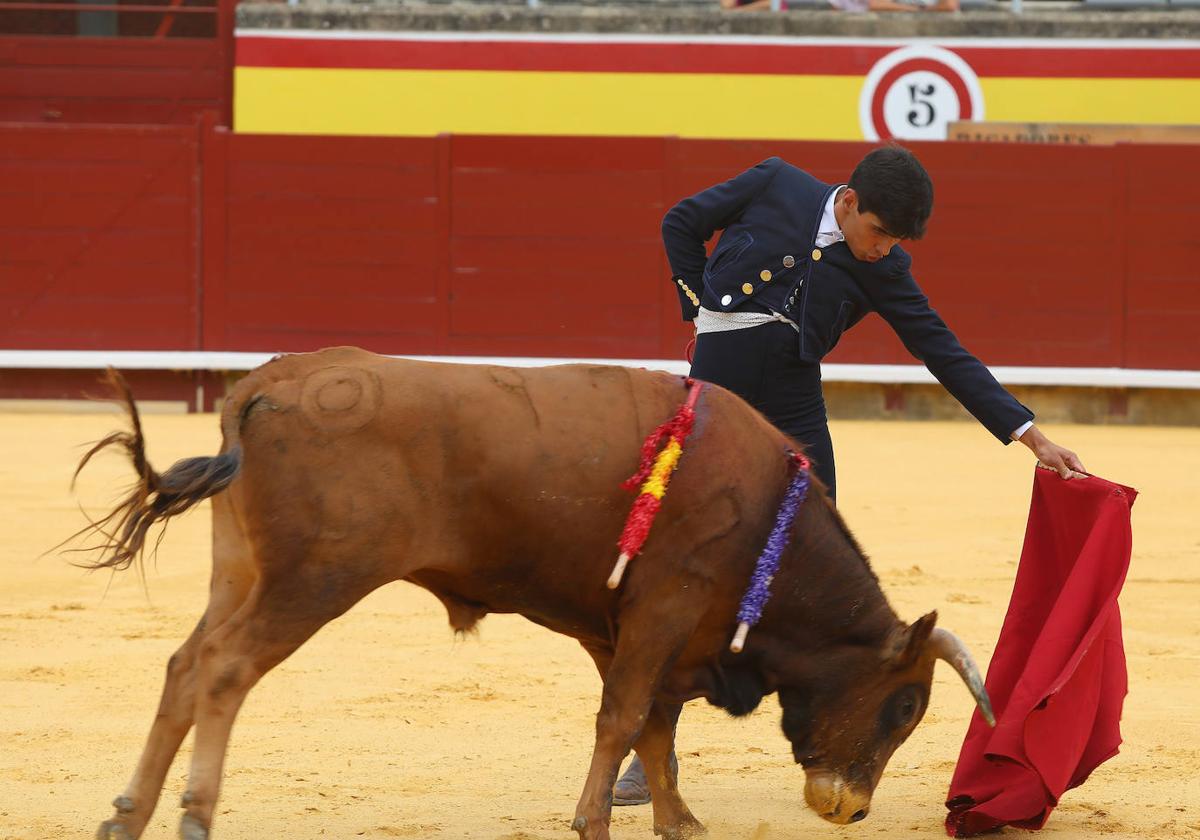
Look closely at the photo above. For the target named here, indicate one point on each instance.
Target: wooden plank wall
(164, 67)
(99, 234)
(325, 241)
(183, 238)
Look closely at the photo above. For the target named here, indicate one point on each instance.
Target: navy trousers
(762, 366)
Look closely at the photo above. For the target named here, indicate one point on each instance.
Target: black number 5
(916, 117)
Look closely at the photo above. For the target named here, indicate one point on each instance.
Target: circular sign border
(962, 79)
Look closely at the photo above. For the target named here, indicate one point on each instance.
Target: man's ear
(905, 644)
(850, 199)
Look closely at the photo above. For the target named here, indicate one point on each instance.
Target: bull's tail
(155, 497)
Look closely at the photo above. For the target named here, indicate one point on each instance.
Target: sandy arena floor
(385, 726)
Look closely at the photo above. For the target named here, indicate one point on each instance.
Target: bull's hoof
(190, 829)
(123, 804)
(111, 830)
(591, 830)
(684, 831)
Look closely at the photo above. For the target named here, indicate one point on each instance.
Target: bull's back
(586, 417)
(500, 486)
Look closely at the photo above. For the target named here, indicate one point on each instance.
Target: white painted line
(130, 360)
(188, 360)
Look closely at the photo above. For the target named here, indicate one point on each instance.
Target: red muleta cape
(1057, 680)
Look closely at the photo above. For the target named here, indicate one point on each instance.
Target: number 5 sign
(913, 93)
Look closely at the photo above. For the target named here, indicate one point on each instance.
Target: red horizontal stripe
(555, 56)
(1083, 62)
(780, 59)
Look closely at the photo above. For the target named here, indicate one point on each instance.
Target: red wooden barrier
(174, 238)
(98, 237)
(1159, 256)
(323, 241)
(168, 65)
(555, 248)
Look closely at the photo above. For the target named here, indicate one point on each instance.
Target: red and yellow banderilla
(653, 476)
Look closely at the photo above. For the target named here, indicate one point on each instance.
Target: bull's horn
(949, 647)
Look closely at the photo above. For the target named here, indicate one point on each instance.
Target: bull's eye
(901, 708)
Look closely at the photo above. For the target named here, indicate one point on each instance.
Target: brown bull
(498, 490)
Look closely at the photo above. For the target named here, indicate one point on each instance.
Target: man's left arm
(906, 308)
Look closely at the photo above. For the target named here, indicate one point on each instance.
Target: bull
(499, 491)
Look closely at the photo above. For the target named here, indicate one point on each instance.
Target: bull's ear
(906, 644)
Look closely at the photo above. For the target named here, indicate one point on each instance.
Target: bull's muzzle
(834, 799)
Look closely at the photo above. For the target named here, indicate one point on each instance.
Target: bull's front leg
(672, 818)
(622, 715)
(646, 648)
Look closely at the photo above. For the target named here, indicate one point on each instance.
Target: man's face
(866, 234)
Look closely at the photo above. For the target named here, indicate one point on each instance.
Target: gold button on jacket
(747, 288)
(816, 254)
(764, 275)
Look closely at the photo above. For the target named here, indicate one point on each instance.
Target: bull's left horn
(950, 648)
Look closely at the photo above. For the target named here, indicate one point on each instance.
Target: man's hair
(892, 184)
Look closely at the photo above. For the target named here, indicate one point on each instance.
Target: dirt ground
(386, 726)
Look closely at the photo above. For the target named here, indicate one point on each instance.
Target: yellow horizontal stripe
(1165, 101)
(427, 102)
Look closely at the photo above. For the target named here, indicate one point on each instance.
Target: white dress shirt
(829, 231)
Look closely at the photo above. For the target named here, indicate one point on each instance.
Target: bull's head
(845, 726)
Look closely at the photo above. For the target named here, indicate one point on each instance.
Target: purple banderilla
(759, 590)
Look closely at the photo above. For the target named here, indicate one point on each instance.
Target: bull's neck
(826, 594)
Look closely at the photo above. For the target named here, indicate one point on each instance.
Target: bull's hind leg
(276, 618)
(232, 578)
(171, 724)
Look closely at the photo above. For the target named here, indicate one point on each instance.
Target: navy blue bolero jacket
(767, 261)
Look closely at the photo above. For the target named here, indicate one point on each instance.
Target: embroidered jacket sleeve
(906, 308)
(693, 221)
